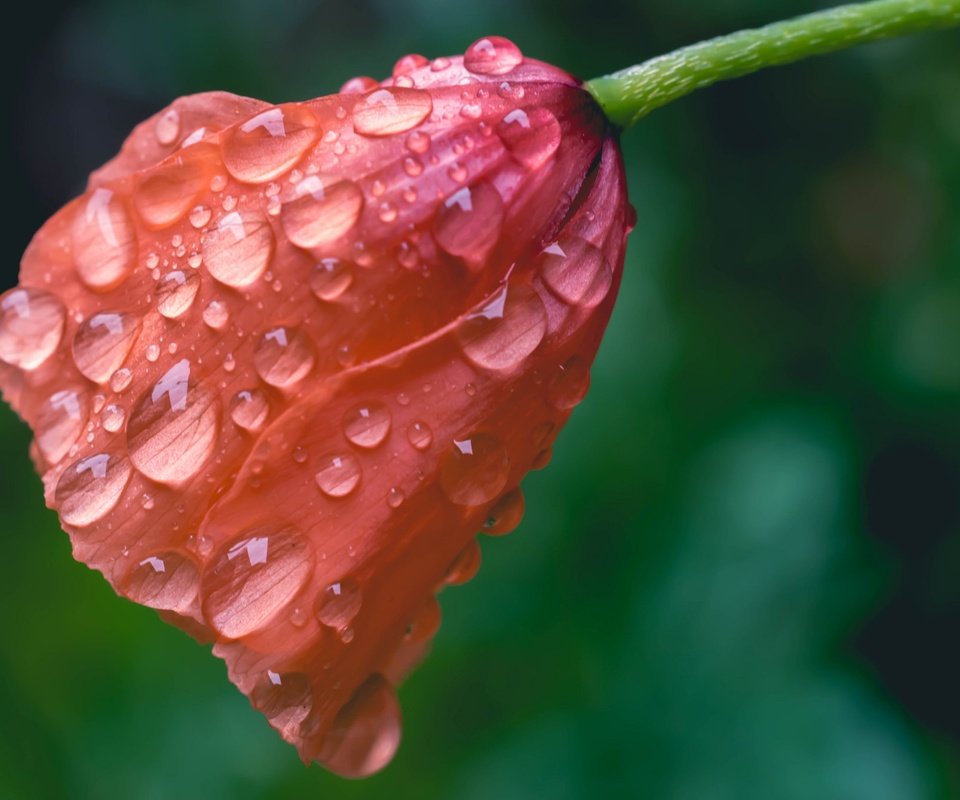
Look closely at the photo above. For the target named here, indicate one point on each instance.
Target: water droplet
(331, 277)
(395, 497)
(173, 427)
(426, 624)
(569, 386)
(152, 352)
(471, 111)
(465, 566)
(385, 112)
(474, 470)
(59, 423)
(121, 379)
(249, 409)
(175, 293)
(283, 698)
(298, 617)
(318, 214)
(358, 85)
(409, 63)
(31, 325)
(418, 142)
(267, 145)
(104, 241)
(469, 221)
(255, 577)
(338, 604)
(387, 212)
(300, 455)
(531, 138)
(166, 580)
(505, 514)
(576, 272)
(440, 64)
(338, 475)
(103, 342)
(283, 357)
(238, 250)
(457, 172)
(507, 329)
(167, 127)
(216, 315)
(413, 166)
(365, 734)
(89, 489)
(541, 434)
(492, 55)
(367, 425)
(168, 191)
(200, 216)
(112, 418)
(419, 435)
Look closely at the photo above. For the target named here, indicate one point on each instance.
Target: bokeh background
(740, 576)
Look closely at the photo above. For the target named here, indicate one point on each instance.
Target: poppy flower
(283, 362)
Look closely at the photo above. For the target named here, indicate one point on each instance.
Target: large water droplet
(255, 577)
(89, 489)
(469, 222)
(284, 356)
(474, 470)
(505, 514)
(173, 427)
(285, 698)
(168, 191)
(505, 330)
(576, 271)
(385, 112)
(31, 325)
(267, 145)
(176, 291)
(167, 127)
(167, 580)
(365, 733)
(59, 423)
(531, 136)
(338, 475)
(338, 604)
(216, 315)
(104, 241)
(465, 566)
(249, 409)
(367, 425)
(238, 250)
(569, 386)
(103, 342)
(331, 277)
(318, 214)
(492, 55)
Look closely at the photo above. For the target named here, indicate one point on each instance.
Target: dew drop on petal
(285, 698)
(166, 580)
(112, 418)
(168, 191)
(408, 63)
(103, 342)
(359, 85)
(249, 409)
(474, 470)
(200, 216)
(172, 429)
(319, 214)
(385, 112)
(492, 55)
(175, 293)
(426, 624)
(469, 221)
(505, 514)
(269, 144)
(338, 604)
(104, 241)
(330, 278)
(569, 386)
(167, 127)
(59, 423)
(505, 330)
(284, 356)
(418, 142)
(31, 326)
(465, 566)
(576, 271)
(367, 425)
(255, 577)
(338, 475)
(365, 733)
(89, 489)
(531, 137)
(238, 250)
(419, 435)
(216, 315)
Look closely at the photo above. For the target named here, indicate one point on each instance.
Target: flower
(282, 362)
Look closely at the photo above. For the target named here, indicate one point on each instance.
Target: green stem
(630, 94)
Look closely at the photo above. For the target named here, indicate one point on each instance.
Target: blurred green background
(740, 576)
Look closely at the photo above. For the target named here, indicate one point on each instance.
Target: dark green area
(739, 577)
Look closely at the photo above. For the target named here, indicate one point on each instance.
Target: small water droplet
(218, 183)
(216, 315)
(367, 425)
(298, 617)
(505, 330)
(89, 489)
(474, 470)
(103, 342)
(121, 379)
(104, 241)
(440, 64)
(249, 409)
(569, 386)
(152, 352)
(505, 514)
(357, 85)
(284, 356)
(166, 192)
(238, 250)
(531, 138)
(254, 577)
(385, 112)
(413, 166)
(418, 142)
(457, 172)
(269, 144)
(395, 497)
(229, 363)
(469, 221)
(172, 429)
(318, 215)
(338, 475)
(576, 272)
(31, 326)
(175, 293)
(112, 418)
(465, 566)
(331, 277)
(300, 455)
(339, 603)
(387, 212)
(167, 127)
(409, 63)
(59, 423)
(492, 55)
(419, 435)
(200, 216)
